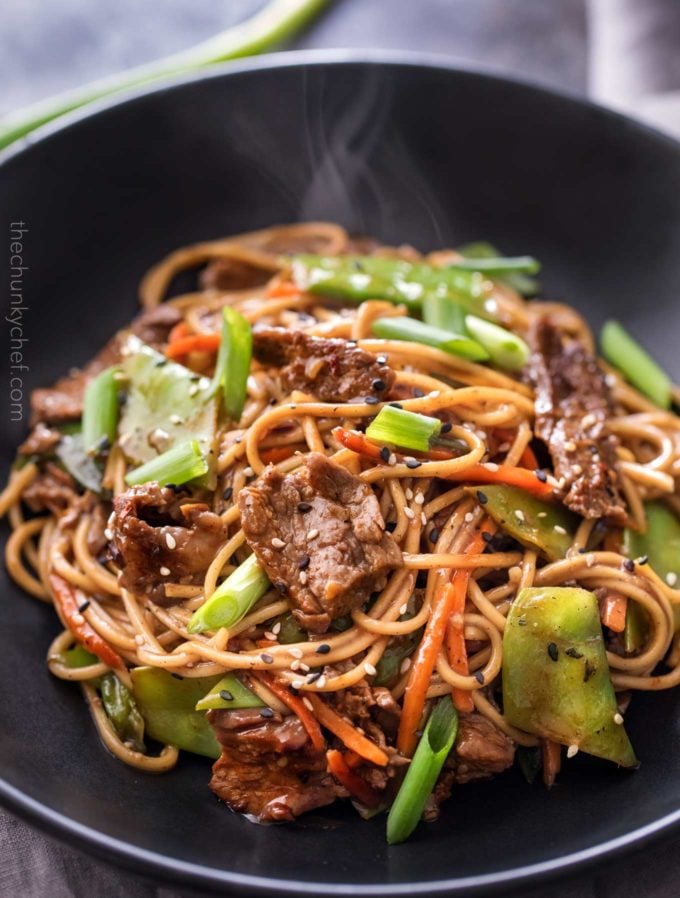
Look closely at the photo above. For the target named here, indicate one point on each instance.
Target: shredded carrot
(552, 760)
(482, 473)
(613, 611)
(528, 459)
(455, 638)
(282, 288)
(193, 343)
(425, 656)
(297, 706)
(278, 453)
(355, 785)
(67, 600)
(181, 329)
(347, 733)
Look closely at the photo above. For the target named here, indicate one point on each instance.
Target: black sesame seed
(281, 587)
(479, 676)
(226, 695)
(413, 463)
(542, 476)
(176, 675)
(553, 651)
(104, 444)
(84, 606)
(418, 393)
(267, 658)
(323, 649)
(266, 712)
(433, 535)
(421, 579)
(643, 559)
(629, 565)
(446, 427)
(582, 550)
(313, 677)
(273, 400)
(574, 653)
(385, 454)
(487, 537)
(371, 400)
(161, 362)
(304, 507)
(228, 493)
(391, 526)
(396, 405)
(303, 563)
(482, 498)
(379, 385)
(588, 671)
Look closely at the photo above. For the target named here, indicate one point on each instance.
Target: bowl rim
(171, 870)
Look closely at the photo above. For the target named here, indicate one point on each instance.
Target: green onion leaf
(100, 412)
(229, 693)
(232, 599)
(401, 428)
(419, 332)
(444, 313)
(498, 265)
(233, 362)
(178, 465)
(517, 280)
(506, 350)
(428, 760)
(637, 366)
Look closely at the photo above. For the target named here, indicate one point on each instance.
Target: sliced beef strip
(333, 370)
(572, 408)
(64, 401)
(153, 528)
(268, 767)
(319, 534)
(53, 490)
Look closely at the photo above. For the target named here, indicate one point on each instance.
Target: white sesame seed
(170, 541)
(570, 446)
(248, 471)
(610, 380)
(282, 762)
(577, 470)
(572, 751)
(589, 419)
(276, 629)
(321, 682)
(481, 434)
(410, 514)
(618, 719)
(469, 517)
(108, 534)
(297, 684)
(519, 514)
(176, 419)
(491, 466)
(408, 492)
(435, 394)
(78, 618)
(307, 703)
(164, 571)
(542, 514)
(420, 499)
(423, 518)
(304, 667)
(139, 639)
(369, 669)
(504, 447)
(295, 665)
(302, 577)
(558, 529)
(404, 608)
(278, 543)
(671, 578)
(590, 559)
(392, 460)
(313, 533)
(405, 664)
(296, 652)
(193, 390)
(269, 635)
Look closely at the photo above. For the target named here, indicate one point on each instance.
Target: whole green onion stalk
(278, 21)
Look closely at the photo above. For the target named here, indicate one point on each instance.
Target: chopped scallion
(499, 265)
(419, 332)
(636, 365)
(178, 465)
(233, 599)
(506, 350)
(517, 280)
(100, 412)
(444, 313)
(233, 362)
(402, 428)
(421, 776)
(229, 693)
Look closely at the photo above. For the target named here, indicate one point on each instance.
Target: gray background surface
(624, 52)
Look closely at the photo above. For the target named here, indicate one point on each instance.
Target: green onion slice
(232, 599)
(233, 362)
(229, 693)
(428, 760)
(100, 412)
(401, 428)
(419, 332)
(636, 365)
(178, 465)
(506, 350)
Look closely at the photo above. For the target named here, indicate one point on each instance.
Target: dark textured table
(626, 52)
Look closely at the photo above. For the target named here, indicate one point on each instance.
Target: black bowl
(410, 151)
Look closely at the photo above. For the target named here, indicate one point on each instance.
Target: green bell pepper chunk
(168, 707)
(532, 522)
(77, 656)
(358, 278)
(290, 631)
(660, 543)
(122, 711)
(636, 629)
(229, 693)
(556, 681)
(389, 666)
